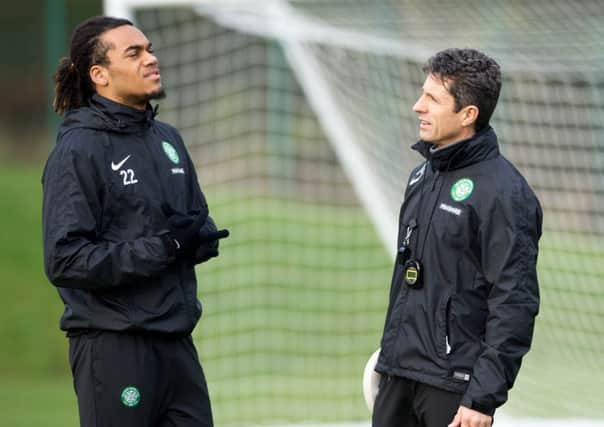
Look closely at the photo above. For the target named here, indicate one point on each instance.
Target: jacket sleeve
(508, 238)
(195, 198)
(75, 253)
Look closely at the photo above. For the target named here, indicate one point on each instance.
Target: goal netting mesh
(298, 117)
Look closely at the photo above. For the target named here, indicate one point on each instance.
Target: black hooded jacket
(105, 237)
(475, 230)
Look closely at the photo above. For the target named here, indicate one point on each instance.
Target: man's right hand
(466, 417)
(184, 230)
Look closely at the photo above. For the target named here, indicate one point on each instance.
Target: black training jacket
(105, 236)
(476, 229)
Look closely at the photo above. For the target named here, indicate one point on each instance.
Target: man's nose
(420, 105)
(151, 59)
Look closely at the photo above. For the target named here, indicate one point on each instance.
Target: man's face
(132, 72)
(439, 124)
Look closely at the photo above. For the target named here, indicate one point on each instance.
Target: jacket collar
(120, 117)
(482, 146)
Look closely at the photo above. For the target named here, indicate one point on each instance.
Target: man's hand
(467, 417)
(209, 241)
(184, 230)
(194, 234)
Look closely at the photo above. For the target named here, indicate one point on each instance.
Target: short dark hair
(471, 77)
(73, 86)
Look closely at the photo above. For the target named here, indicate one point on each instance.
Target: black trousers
(134, 380)
(402, 402)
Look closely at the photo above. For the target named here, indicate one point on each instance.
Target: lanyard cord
(413, 223)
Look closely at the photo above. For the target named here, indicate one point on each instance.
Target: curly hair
(73, 86)
(471, 77)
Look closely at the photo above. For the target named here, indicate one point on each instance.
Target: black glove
(184, 230)
(210, 236)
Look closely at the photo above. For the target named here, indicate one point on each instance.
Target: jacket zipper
(447, 325)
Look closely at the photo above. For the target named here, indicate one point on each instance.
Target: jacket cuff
(477, 406)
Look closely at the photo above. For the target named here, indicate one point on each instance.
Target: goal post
(298, 117)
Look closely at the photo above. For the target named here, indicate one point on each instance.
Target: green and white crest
(170, 152)
(462, 189)
(130, 396)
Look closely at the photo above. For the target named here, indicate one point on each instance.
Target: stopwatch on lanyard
(411, 267)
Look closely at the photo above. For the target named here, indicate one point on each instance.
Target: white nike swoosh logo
(415, 179)
(120, 164)
(417, 176)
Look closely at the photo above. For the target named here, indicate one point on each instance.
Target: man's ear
(469, 115)
(99, 75)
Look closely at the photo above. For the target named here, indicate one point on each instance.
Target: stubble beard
(142, 100)
(158, 94)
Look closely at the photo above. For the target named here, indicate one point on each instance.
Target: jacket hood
(483, 145)
(106, 115)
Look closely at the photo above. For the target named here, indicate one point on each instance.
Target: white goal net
(298, 116)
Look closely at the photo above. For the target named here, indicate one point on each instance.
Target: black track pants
(401, 402)
(134, 380)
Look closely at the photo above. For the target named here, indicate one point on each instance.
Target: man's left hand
(209, 241)
(467, 417)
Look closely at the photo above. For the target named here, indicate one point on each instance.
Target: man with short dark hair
(124, 223)
(464, 292)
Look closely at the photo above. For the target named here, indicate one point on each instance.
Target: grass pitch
(292, 308)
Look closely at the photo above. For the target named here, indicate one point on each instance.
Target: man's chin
(158, 94)
(425, 136)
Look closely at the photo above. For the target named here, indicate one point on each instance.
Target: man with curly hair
(464, 292)
(124, 224)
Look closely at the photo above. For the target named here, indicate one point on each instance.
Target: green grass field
(292, 308)
(35, 384)
(48, 401)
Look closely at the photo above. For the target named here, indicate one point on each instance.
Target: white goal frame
(292, 30)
